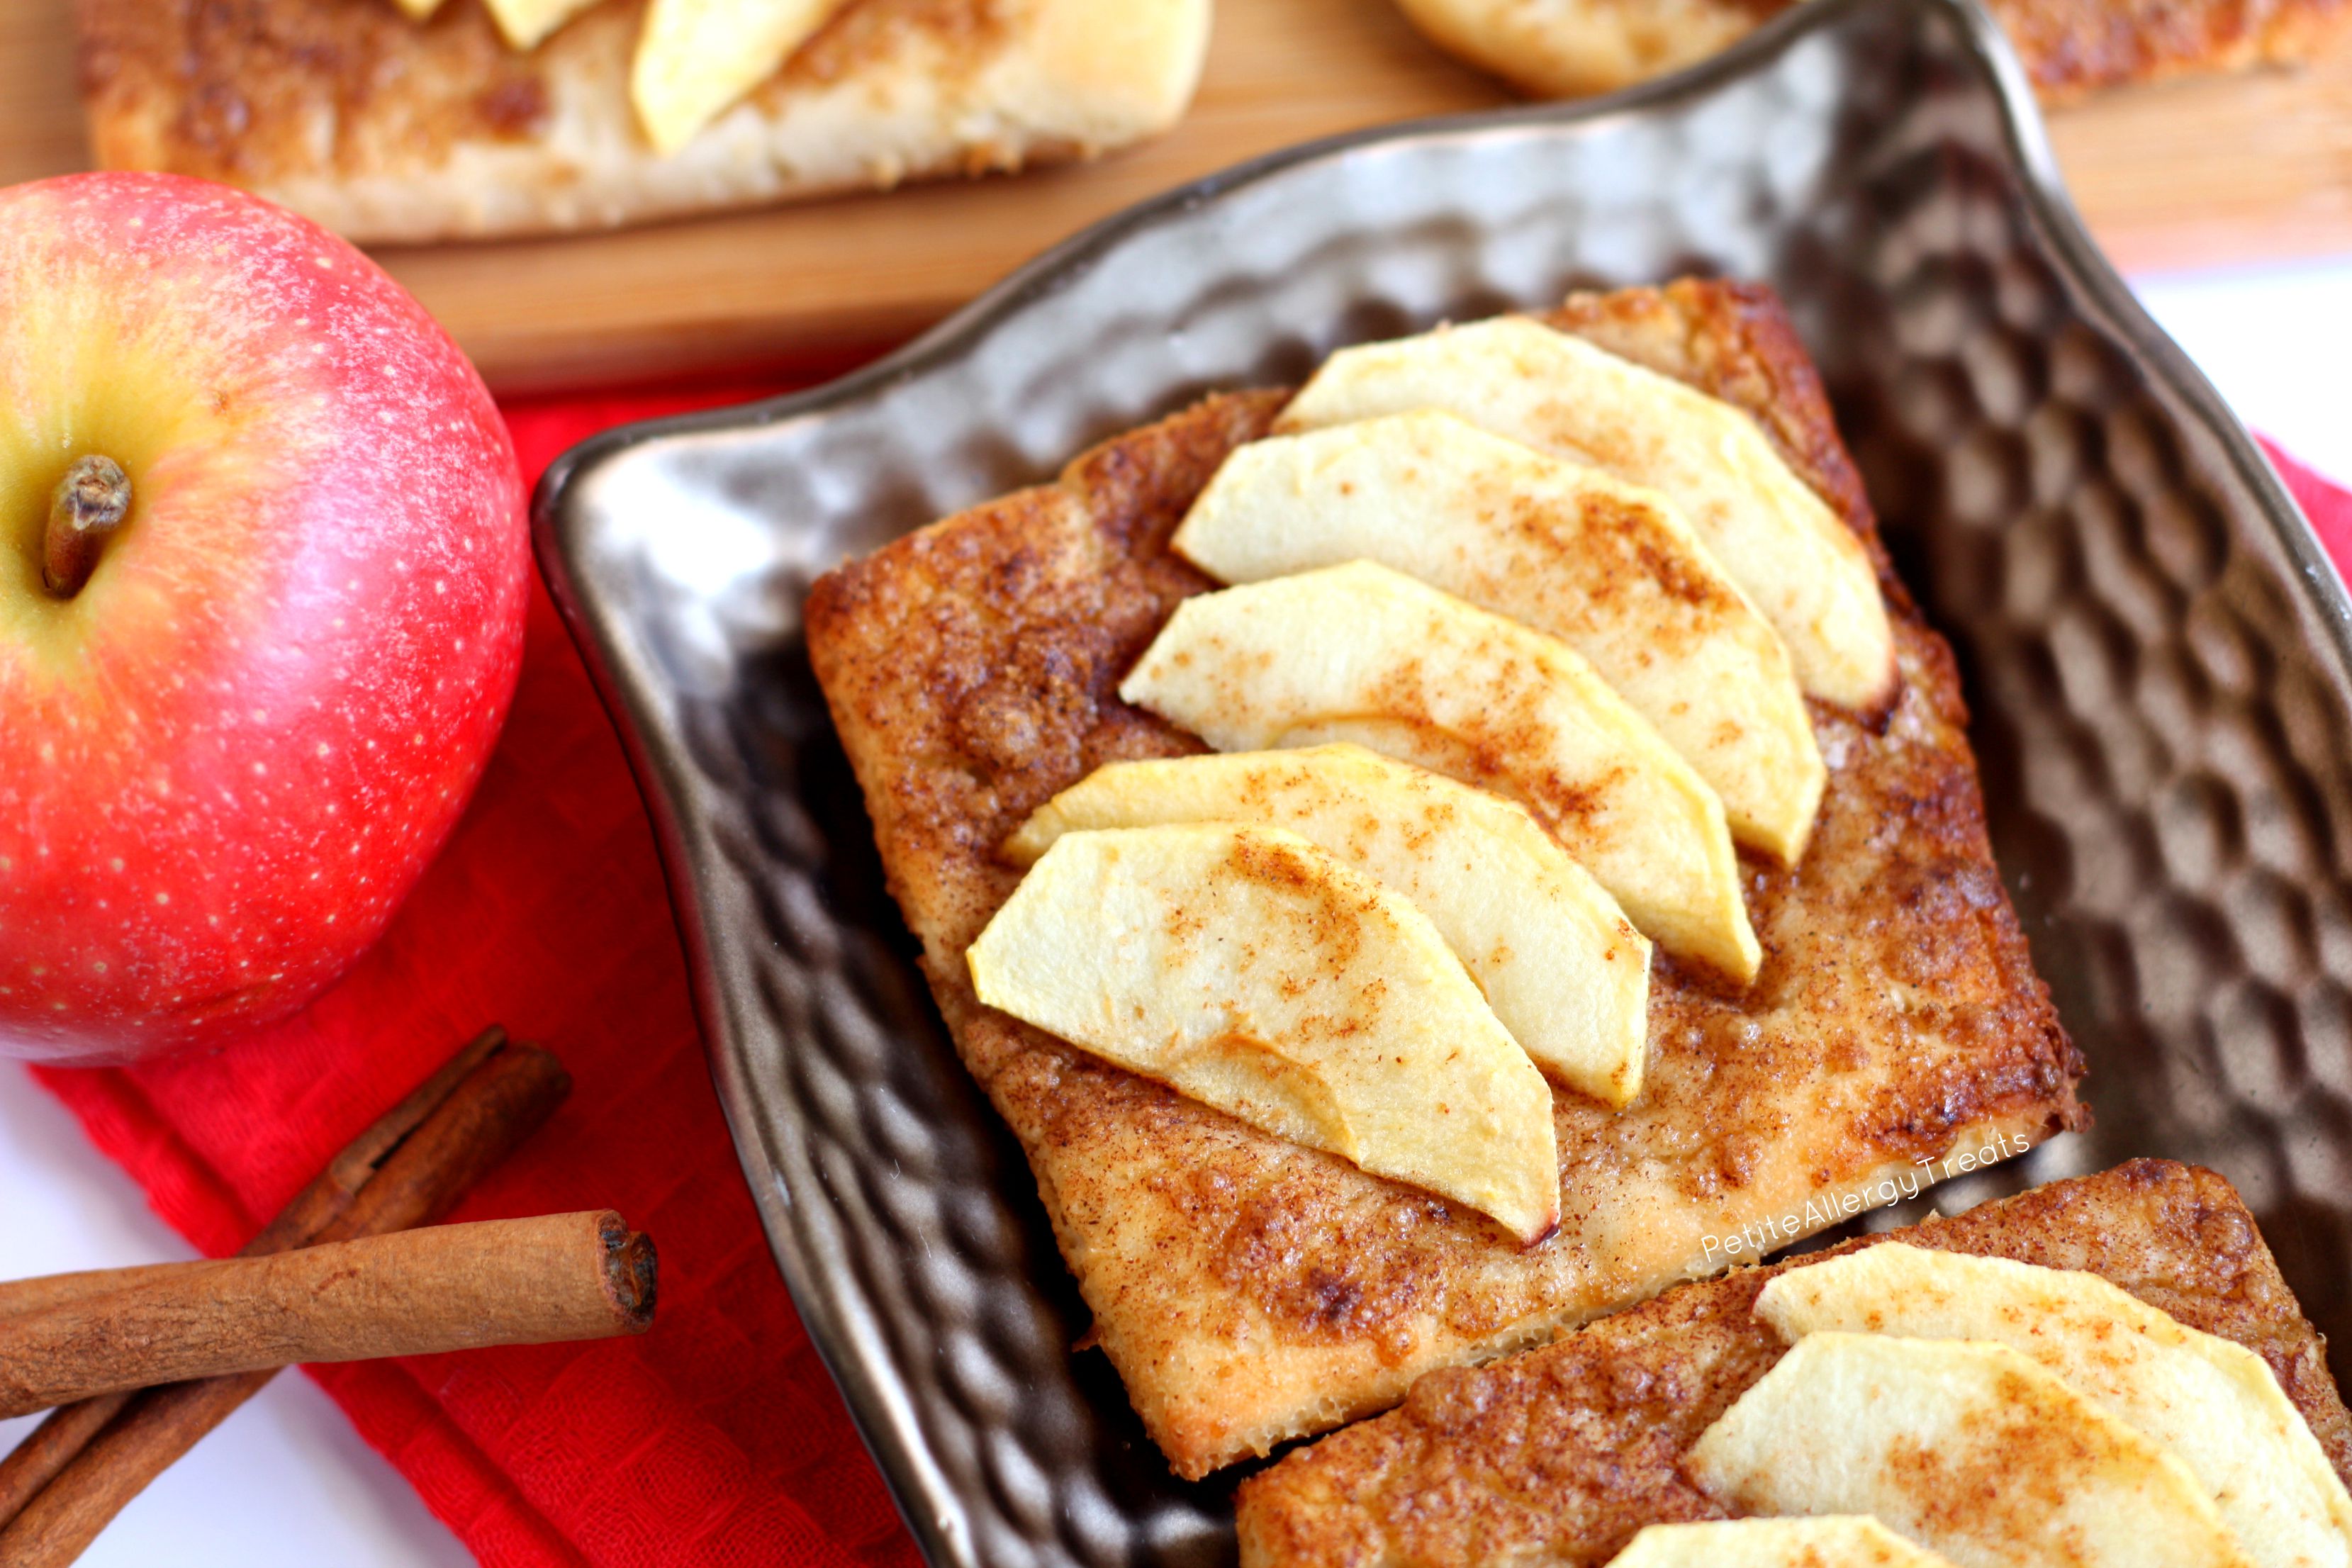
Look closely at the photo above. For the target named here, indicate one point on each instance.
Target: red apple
(227, 754)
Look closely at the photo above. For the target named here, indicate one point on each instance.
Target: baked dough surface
(1250, 1290)
(386, 130)
(1558, 1455)
(1566, 48)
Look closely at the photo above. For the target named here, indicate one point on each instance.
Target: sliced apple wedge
(1833, 1541)
(524, 23)
(1967, 1447)
(1519, 379)
(2215, 1404)
(1609, 568)
(1556, 959)
(1250, 970)
(1361, 653)
(695, 58)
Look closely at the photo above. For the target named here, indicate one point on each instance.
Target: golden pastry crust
(1249, 1291)
(1566, 48)
(384, 128)
(1560, 1455)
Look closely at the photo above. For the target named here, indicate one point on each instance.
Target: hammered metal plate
(2155, 648)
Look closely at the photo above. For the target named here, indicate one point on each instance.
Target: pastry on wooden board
(1567, 49)
(1560, 1455)
(1249, 1290)
(387, 129)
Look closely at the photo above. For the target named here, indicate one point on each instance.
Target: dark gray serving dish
(2155, 648)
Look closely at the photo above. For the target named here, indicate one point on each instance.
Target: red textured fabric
(2328, 506)
(717, 1439)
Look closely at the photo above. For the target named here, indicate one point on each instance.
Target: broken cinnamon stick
(413, 1293)
(331, 1193)
(62, 1485)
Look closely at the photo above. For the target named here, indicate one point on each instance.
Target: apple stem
(89, 504)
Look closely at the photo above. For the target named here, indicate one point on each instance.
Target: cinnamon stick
(414, 1292)
(42, 1454)
(62, 1485)
(20, 1296)
(305, 1214)
(332, 1191)
(502, 1102)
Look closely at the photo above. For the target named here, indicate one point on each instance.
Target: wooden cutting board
(2220, 169)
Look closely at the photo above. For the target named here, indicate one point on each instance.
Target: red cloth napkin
(716, 1439)
(2328, 506)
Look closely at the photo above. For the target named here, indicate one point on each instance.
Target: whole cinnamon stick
(413, 1293)
(38, 1459)
(61, 1486)
(305, 1214)
(39, 1294)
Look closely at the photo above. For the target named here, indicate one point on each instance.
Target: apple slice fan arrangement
(1342, 944)
(1440, 869)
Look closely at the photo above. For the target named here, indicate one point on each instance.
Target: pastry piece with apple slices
(1518, 378)
(1670, 1413)
(1609, 568)
(389, 129)
(1256, 973)
(1553, 954)
(1363, 654)
(1248, 1289)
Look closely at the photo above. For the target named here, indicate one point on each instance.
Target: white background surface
(286, 1484)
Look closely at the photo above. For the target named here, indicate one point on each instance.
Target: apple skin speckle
(327, 559)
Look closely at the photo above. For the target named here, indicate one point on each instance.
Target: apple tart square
(1250, 1290)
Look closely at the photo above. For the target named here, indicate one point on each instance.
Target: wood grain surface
(2214, 169)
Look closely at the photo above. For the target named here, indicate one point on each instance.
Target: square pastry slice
(1560, 1456)
(1249, 1290)
(386, 129)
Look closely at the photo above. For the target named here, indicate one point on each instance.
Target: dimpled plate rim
(900, 1217)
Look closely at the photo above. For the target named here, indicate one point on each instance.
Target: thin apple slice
(1558, 964)
(1519, 379)
(695, 58)
(1248, 969)
(1968, 1449)
(2213, 1404)
(1361, 653)
(1831, 1540)
(417, 10)
(1609, 568)
(524, 23)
